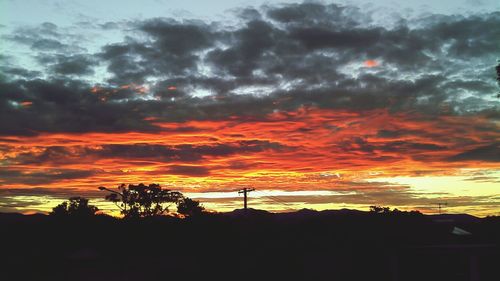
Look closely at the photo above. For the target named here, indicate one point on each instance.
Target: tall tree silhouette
(76, 207)
(189, 207)
(142, 200)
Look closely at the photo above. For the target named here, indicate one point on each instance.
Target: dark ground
(306, 245)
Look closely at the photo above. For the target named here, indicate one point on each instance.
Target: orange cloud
(26, 103)
(370, 63)
(95, 89)
(286, 150)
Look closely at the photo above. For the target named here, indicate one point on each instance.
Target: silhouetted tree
(498, 75)
(142, 200)
(395, 211)
(189, 207)
(77, 206)
(380, 210)
(498, 72)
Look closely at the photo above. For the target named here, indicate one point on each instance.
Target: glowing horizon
(274, 153)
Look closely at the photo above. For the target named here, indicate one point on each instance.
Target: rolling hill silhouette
(252, 245)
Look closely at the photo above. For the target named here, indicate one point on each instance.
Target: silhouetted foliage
(76, 207)
(498, 72)
(142, 200)
(395, 211)
(306, 245)
(189, 207)
(380, 210)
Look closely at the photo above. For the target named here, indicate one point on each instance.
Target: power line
(245, 191)
(276, 199)
(440, 205)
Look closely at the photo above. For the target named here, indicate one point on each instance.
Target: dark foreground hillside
(306, 245)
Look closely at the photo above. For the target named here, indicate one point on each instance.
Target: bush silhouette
(189, 207)
(142, 200)
(380, 210)
(76, 207)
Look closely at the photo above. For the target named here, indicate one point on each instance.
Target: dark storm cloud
(77, 65)
(320, 26)
(126, 63)
(46, 37)
(171, 51)
(17, 72)
(248, 47)
(63, 105)
(307, 14)
(69, 64)
(375, 151)
(399, 133)
(13, 176)
(278, 58)
(470, 35)
(47, 44)
(321, 38)
(62, 193)
(9, 71)
(488, 153)
(29, 35)
(402, 146)
(192, 171)
(176, 38)
(178, 153)
(349, 32)
(185, 153)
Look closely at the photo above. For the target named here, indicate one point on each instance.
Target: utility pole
(245, 191)
(440, 205)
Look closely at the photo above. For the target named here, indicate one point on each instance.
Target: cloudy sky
(320, 105)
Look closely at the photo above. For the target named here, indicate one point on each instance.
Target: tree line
(133, 201)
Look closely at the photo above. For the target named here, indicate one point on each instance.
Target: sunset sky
(321, 105)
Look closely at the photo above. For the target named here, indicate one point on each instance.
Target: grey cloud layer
(162, 153)
(13, 176)
(277, 58)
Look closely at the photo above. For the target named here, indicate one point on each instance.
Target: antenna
(245, 191)
(440, 205)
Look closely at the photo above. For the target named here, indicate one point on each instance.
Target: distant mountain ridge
(302, 213)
